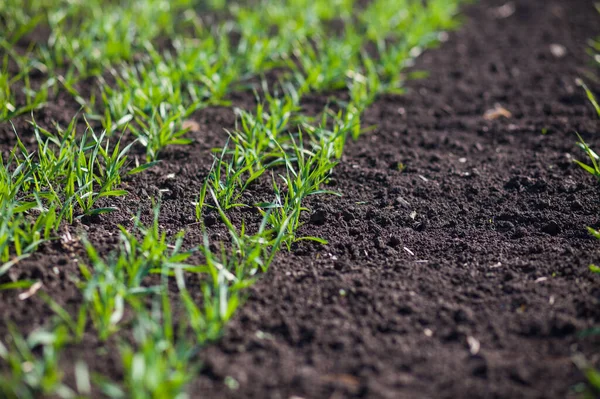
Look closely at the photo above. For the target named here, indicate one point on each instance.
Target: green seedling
(306, 172)
(152, 253)
(32, 365)
(259, 137)
(594, 168)
(23, 225)
(157, 365)
(229, 272)
(104, 292)
(221, 296)
(21, 233)
(10, 106)
(91, 35)
(70, 172)
(149, 99)
(159, 131)
(590, 96)
(229, 178)
(158, 362)
(18, 19)
(113, 282)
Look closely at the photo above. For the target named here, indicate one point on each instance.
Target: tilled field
(494, 262)
(457, 256)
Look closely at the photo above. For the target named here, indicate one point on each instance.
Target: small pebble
(558, 50)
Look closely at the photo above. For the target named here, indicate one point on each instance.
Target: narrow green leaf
(143, 167)
(316, 239)
(113, 193)
(100, 211)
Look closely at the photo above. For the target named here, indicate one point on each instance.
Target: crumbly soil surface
(457, 263)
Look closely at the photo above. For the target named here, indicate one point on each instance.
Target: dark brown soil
(462, 273)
